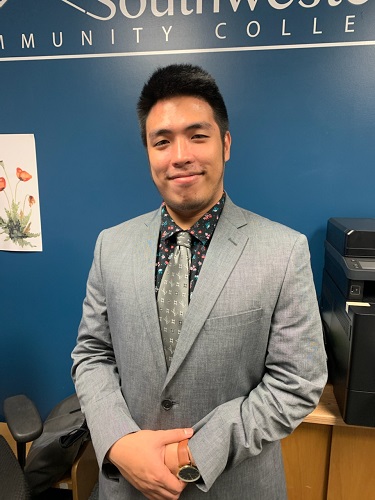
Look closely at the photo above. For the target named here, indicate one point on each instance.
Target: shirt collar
(203, 229)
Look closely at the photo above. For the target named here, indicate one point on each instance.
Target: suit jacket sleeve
(95, 372)
(295, 374)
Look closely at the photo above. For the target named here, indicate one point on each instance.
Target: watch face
(188, 474)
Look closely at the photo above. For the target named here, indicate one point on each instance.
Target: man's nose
(181, 154)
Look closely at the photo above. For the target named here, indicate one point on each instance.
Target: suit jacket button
(167, 404)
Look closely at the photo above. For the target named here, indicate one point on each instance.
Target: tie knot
(184, 239)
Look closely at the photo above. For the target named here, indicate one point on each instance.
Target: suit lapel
(224, 251)
(144, 283)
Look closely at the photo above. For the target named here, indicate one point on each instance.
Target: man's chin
(186, 206)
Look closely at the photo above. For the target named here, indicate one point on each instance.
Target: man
(248, 364)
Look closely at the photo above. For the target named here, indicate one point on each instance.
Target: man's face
(186, 155)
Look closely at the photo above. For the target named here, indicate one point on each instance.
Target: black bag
(52, 455)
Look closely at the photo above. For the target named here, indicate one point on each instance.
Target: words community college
(116, 38)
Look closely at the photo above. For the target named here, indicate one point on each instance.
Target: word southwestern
(133, 9)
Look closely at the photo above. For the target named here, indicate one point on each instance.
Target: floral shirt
(201, 232)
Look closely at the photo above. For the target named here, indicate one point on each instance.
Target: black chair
(25, 425)
(12, 481)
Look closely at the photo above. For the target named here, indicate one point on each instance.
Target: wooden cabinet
(325, 459)
(352, 464)
(306, 461)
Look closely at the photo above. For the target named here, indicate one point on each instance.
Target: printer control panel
(357, 264)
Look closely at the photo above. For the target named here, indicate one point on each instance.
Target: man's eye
(163, 142)
(199, 136)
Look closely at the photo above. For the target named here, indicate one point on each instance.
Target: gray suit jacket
(249, 365)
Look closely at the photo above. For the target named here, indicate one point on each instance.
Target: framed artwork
(20, 225)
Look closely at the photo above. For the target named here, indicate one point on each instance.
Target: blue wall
(302, 123)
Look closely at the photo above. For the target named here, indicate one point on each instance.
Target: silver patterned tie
(173, 295)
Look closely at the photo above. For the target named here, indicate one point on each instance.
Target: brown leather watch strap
(183, 453)
(192, 461)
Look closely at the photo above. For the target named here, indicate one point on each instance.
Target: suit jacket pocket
(234, 320)
(235, 346)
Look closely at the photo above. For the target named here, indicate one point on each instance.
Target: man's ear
(227, 144)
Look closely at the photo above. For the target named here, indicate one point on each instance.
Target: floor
(54, 494)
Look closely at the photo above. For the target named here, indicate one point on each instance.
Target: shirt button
(167, 404)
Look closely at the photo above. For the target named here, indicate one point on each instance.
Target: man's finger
(175, 435)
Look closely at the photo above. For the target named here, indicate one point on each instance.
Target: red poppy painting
(23, 175)
(19, 208)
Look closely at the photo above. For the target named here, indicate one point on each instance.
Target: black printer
(348, 312)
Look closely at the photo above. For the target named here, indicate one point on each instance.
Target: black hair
(181, 80)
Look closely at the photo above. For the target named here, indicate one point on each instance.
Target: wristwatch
(187, 471)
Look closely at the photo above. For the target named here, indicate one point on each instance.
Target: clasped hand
(148, 460)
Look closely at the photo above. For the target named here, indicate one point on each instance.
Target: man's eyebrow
(158, 132)
(203, 125)
(194, 126)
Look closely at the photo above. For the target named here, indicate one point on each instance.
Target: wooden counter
(327, 412)
(326, 459)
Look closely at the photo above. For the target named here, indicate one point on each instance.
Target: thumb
(175, 435)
